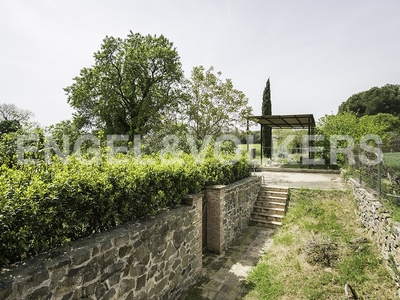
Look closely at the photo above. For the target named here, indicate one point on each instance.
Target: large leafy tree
(10, 112)
(266, 110)
(13, 118)
(132, 84)
(211, 105)
(376, 100)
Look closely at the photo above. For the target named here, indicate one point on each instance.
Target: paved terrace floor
(224, 275)
(323, 181)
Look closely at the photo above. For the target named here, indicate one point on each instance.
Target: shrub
(45, 206)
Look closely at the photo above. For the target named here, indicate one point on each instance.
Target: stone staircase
(270, 206)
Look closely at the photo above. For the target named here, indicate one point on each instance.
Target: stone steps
(270, 206)
(269, 210)
(267, 224)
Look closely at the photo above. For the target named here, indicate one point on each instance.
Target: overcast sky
(317, 53)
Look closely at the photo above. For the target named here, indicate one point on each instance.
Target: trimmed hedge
(43, 207)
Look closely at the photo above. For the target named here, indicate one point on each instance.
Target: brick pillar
(196, 200)
(215, 214)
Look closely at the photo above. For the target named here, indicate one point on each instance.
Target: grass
(252, 146)
(319, 225)
(392, 206)
(392, 160)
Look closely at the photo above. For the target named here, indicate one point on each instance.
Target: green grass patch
(264, 277)
(392, 206)
(392, 160)
(312, 256)
(252, 146)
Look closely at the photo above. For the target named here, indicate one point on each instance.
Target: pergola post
(247, 136)
(309, 143)
(262, 146)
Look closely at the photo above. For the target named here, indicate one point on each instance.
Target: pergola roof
(286, 121)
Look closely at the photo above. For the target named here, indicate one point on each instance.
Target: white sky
(317, 52)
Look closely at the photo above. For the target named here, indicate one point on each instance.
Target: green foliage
(289, 138)
(212, 106)
(267, 131)
(7, 126)
(67, 128)
(376, 100)
(13, 122)
(45, 206)
(11, 113)
(348, 124)
(8, 149)
(132, 84)
(266, 109)
(392, 160)
(264, 278)
(341, 124)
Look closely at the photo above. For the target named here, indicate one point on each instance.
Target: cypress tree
(266, 110)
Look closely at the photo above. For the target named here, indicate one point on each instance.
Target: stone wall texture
(228, 211)
(158, 258)
(154, 259)
(380, 226)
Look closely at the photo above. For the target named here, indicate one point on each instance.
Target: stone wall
(228, 211)
(380, 226)
(155, 259)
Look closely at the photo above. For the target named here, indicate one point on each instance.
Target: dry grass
(321, 224)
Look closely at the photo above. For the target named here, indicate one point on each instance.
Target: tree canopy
(267, 111)
(376, 100)
(10, 112)
(212, 106)
(13, 118)
(133, 82)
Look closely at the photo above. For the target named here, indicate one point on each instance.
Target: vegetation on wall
(45, 206)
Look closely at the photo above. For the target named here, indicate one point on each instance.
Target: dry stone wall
(155, 259)
(380, 226)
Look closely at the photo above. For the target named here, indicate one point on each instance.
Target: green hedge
(45, 206)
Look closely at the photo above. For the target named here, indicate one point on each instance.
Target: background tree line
(136, 86)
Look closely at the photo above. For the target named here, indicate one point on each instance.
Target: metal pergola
(302, 121)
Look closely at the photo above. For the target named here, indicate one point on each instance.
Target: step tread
(270, 202)
(273, 192)
(268, 222)
(270, 208)
(267, 215)
(267, 188)
(272, 197)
